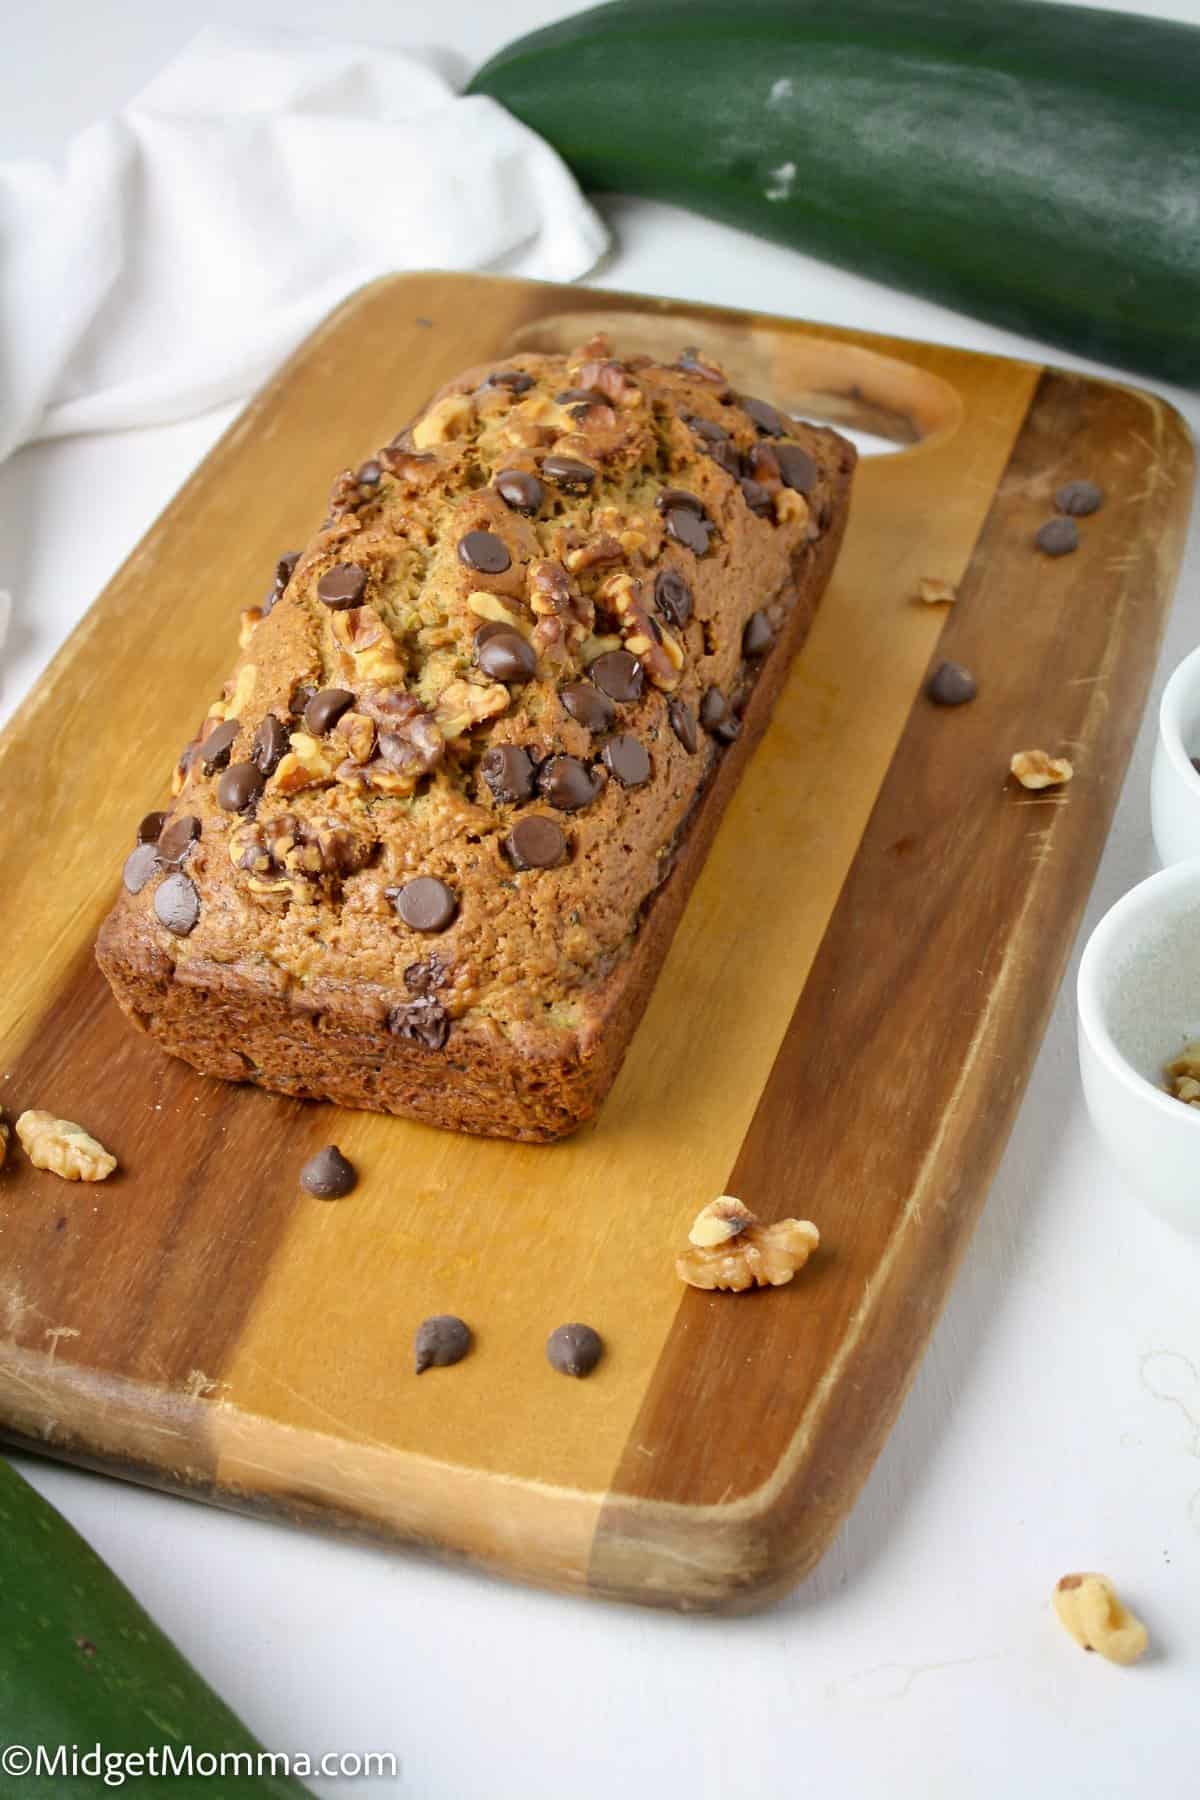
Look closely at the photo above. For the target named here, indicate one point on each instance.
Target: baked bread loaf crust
(428, 849)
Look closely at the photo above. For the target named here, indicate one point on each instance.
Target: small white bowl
(1139, 1004)
(1174, 784)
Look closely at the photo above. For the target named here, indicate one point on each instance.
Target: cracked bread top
(469, 723)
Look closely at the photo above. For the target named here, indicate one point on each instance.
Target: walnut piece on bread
(733, 1250)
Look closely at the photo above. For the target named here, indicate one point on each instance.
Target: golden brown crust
(513, 1019)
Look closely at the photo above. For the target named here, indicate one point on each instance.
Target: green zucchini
(81, 1665)
(1037, 165)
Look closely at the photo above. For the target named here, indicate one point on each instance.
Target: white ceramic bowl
(1139, 1003)
(1174, 784)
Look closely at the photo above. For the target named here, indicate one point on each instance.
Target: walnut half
(733, 1249)
(63, 1148)
(1087, 1607)
(1036, 769)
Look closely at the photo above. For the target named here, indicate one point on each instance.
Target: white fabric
(188, 243)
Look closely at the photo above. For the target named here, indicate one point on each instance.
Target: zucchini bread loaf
(429, 847)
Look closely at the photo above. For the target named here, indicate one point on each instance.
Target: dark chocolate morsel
(342, 586)
(673, 597)
(588, 706)
(618, 674)
(150, 829)
(176, 839)
(505, 655)
(568, 783)
(950, 685)
(328, 1175)
(689, 529)
(270, 743)
(727, 456)
(765, 417)
(756, 497)
(326, 708)
(484, 552)
(713, 708)
(708, 429)
(627, 759)
(140, 865)
(240, 786)
(1058, 537)
(425, 904)
(683, 723)
(520, 492)
(797, 468)
(1079, 498)
(729, 728)
(424, 1021)
(568, 472)
(508, 770)
(214, 751)
(757, 637)
(670, 497)
(177, 905)
(441, 1341)
(535, 842)
(574, 1349)
(515, 380)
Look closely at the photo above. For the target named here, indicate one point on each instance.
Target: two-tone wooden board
(842, 1030)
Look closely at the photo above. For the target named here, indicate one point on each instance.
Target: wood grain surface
(842, 1030)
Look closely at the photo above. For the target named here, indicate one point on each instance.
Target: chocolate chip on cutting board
(328, 1175)
(440, 1342)
(1079, 498)
(951, 685)
(1057, 537)
(574, 1349)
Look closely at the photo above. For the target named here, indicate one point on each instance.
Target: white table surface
(1055, 1422)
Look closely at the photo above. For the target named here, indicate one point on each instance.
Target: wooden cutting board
(842, 1030)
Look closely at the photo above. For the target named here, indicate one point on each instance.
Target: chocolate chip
(588, 706)
(370, 474)
(488, 629)
(176, 840)
(140, 865)
(683, 723)
(797, 468)
(270, 743)
(708, 429)
(765, 417)
(240, 786)
(574, 1349)
(756, 497)
(1079, 498)
(214, 751)
(150, 829)
(505, 656)
(627, 758)
(342, 586)
(522, 492)
(284, 570)
(177, 905)
(668, 498)
(328, 1175)
(729, 458)
(757, 637)
(441, 1341)
(567, 472)
(713, 708)
(424, 1021)
(568, 783)
(515, 380)
(689, 529)
(326, 708)
(426, 976)
(535, 842)
(1058, 537)
(673, 597)
(618, 674)
(484, 552)
(425, 904)
(950, 685)
(689, 361)
(729, 728)
(578, 396)
(508, 770)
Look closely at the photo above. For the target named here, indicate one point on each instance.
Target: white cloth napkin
(188, 243)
